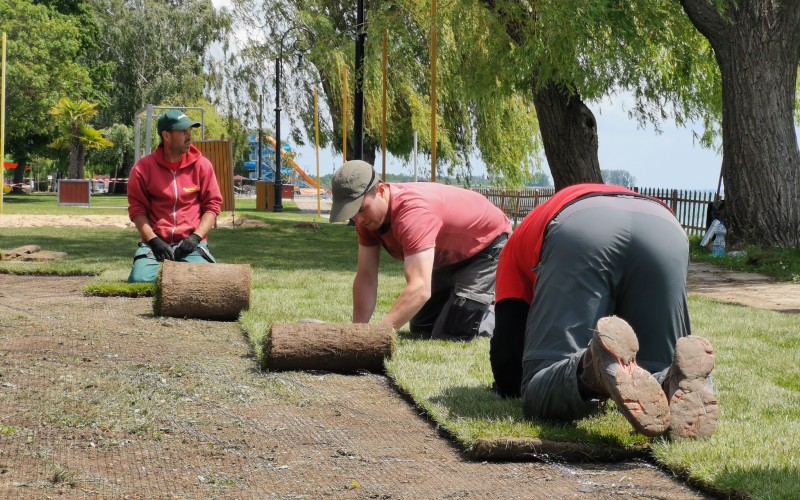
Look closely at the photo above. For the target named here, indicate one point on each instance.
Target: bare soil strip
(99, 398)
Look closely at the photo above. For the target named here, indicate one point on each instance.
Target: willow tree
(477, 113)
(571, 52)
(757, 46)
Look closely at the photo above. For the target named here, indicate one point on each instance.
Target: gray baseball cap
(350, 183)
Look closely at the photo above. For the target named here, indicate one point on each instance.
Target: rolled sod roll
(202, 291)
(328, 346)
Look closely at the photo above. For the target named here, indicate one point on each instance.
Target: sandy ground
(749, 289)
(23, 220)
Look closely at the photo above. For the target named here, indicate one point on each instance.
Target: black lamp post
(278, 207)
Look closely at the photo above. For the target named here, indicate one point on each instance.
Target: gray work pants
(461, 306)
(602, 256)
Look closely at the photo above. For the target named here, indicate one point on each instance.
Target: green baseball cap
(349, 185)
(175, 119)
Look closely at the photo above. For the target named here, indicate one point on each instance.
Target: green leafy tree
(75, 133)
(112, 160)
(619, 178)
(160, 52)
(83, 15)
(757, 46)
(43, 54)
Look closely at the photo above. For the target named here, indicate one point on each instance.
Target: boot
(609, 368)
(692, 403)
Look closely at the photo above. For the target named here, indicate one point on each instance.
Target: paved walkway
(308, 205)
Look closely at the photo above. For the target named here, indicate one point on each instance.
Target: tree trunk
(76, 155)
(19, 172)
(369, 152)
(569, 135)
(757, 46)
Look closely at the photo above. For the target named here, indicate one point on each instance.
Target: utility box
(74, 192)
(265, 195)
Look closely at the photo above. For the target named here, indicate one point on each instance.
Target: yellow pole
(3, 122)
(385, 86)
(433, 90)
(316, 147)
(344, 114)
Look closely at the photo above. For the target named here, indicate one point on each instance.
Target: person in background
(173, 199)
(592, 305)
(448, 238)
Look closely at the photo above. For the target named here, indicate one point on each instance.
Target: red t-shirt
(515, 276)
(455, 221)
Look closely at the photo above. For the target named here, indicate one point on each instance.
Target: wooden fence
(516, 203)
(690, 207)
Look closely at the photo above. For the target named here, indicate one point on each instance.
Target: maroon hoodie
(173, 201)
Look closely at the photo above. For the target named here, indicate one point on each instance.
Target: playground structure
(268, 163)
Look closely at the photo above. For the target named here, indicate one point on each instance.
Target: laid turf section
(754, 450)
(451, 382)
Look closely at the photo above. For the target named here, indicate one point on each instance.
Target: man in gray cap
(173, 199)
(448, 238)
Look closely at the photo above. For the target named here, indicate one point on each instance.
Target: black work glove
(161, 250)
(187, 246)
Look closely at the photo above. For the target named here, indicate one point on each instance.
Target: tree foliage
(569, 52)
(43, 54)
(74, 132)
(112, 160)
(619, 178)
(160, 51)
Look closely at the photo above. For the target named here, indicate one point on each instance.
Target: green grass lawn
(302, 270)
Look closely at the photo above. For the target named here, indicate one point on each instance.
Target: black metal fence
(690, 207)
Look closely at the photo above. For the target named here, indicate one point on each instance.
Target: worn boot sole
(638, 395)
(693, 405)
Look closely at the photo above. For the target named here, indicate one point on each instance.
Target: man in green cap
(173, 199)
(448, 238)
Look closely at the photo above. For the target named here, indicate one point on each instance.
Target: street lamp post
(278, 206)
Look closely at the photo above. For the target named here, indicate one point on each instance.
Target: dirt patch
(100, 398)
(31, 253)
(233, 221)
(748, 289)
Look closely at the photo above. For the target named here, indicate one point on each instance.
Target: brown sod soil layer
(202, 291)
(328, 346)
